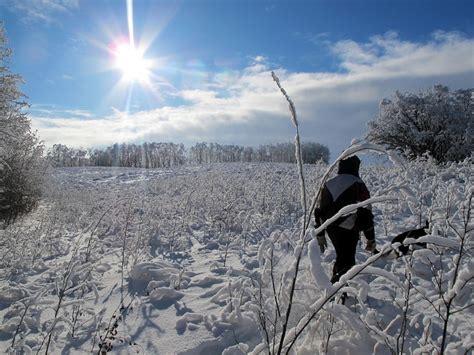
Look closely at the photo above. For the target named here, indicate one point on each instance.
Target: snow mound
(226, 332)
(181, 326)
(238, 349)
(207, 281)
(189, 321)
(10, 294)
(164, 297)
(212, 245)
(150, 275)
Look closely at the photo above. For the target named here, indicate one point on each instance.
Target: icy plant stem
(137, 247)
(76, 310)
(463, 237)
(61, 294)
(89, 242)
(330, 332)
(290, 302)
(299, 161)
(261, 314)
(117, 315)
(124, 245)
(226, 251)
(27, 306)
(275, 295)
(406, 307)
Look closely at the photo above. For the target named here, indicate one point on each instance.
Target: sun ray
(131, 34)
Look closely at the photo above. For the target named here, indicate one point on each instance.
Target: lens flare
(132, 58)
(130, 61)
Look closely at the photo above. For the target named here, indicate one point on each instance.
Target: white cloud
(246, 108)
(318, 39)
(388, 56)
(54, 112)
(46, 11)
(198, 96)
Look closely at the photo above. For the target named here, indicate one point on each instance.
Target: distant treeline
(164, 155)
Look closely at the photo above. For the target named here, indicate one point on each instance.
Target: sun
(130, 60)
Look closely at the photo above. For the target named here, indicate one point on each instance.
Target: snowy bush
(21, 165)
(436, 121)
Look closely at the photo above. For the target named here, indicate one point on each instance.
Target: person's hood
(349, 166)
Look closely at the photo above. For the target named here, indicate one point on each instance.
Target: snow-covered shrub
(436, 121)
(21, 165)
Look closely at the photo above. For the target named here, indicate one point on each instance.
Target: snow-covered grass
(190, 260)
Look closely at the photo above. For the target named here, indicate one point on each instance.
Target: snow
(182, 260)
(320, 278)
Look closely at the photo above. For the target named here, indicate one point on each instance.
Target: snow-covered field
(200, 260)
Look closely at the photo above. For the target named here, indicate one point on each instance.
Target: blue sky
(210, 79)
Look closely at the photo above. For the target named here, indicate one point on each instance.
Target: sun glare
(130, 61)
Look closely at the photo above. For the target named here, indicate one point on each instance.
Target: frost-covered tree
(436, 121)
(314, 152)
(276, 153)
(21, 162)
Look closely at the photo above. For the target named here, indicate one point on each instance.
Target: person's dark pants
(345, 242)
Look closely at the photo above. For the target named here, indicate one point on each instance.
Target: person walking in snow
(344, 189)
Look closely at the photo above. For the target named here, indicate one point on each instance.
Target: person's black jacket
(344, 189)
